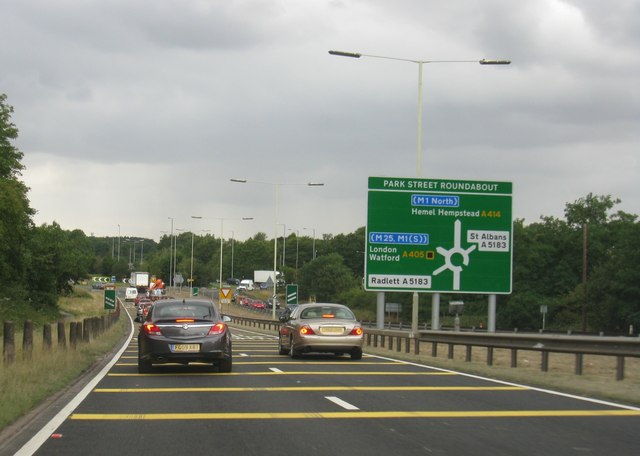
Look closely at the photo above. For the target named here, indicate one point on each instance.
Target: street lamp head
(196, 217)
(354, 55)
(494, 62)
(247, 218)
(315, 184)
(242, 181)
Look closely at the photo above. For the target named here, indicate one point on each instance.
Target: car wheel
(144, 366)
(356, 354)
(282, 350)
(225, 365)
(293, 353)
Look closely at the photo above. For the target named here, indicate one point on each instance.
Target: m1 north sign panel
(435, 235)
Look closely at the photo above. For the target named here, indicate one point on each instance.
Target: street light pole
(297, 249)
(284, 244)
(313, 244)
(435, 300)
(191, 273)
(420, 63)
(276, 186)
(221, 244)
(232, 242)
(170, 253)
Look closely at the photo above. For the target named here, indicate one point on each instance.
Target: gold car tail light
(306, 331)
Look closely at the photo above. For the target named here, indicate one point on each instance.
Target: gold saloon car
(320, 328)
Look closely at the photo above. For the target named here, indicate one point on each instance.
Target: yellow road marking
(308, 388)
(355, 415)
(319, 363)
(279, 373)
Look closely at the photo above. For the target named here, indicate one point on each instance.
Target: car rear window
(327, 312)
(197, 311)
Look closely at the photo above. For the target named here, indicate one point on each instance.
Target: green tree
(15, 218)
(326, 278)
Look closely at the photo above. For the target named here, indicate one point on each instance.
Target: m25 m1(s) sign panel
(436, 235)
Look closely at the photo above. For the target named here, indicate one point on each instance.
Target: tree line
(583, 267)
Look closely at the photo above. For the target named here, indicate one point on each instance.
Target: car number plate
(333, 330)
(182, 348)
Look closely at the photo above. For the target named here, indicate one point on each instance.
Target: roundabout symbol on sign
(448, 254)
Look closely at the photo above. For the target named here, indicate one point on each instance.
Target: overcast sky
(134, 111)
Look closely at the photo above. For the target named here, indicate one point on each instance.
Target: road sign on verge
(437, 235)
(225, 295)
(109, 297)
(292, 294)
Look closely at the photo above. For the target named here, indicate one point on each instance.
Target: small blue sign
(399, 238)
(435, 200)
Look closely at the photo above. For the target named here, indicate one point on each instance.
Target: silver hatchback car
(321, 328)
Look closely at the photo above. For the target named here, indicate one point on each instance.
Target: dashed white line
(345, 405)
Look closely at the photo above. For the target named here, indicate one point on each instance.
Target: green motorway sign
(292, 294)
(435, 235)
(109, 297)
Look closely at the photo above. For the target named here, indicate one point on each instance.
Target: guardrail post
(620, 368)
(434, 349)
(579, 363)
(390, 342)
(545, 361)
(450, 353)
(407, 345)
(467, 356)
(514, 357)
(489, 356)
(399, 349)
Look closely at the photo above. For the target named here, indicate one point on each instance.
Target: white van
(247, 284)
(130, 294)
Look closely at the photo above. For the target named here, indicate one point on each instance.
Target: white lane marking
(345, 405)
(275, 369)
(502, 382)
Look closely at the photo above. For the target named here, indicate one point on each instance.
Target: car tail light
(218, 328)
(306, 331)
(357, 331)
(152, 329)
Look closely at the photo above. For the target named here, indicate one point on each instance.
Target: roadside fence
(78, 332)
(620, 348)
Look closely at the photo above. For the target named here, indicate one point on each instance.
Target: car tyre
(282, 350)
(356, 354)
(144, 366)
(293, 353)
(225, 365)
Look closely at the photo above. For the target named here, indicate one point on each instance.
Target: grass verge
(29, 381)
